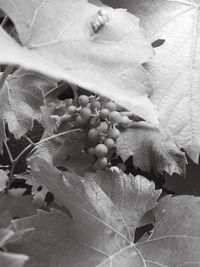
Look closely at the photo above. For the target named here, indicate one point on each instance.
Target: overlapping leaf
(176, 234)
(102, 229)
(66, 152)
(10, 259)
(14, 206)
(107, 62)
(175, 68)
(150, 149)
(20, 100)
(100, 233)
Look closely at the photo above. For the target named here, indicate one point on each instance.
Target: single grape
(124, 121)
(103, 127)
(101, 150)
(85, 113)
(104, 113)
(115, 117)
(83, 100)
(111, 106)
(94, 122)
(80, 121)
(91, 151)
(113, 133)
(102, 138)
(109, 142)
(72, 109)
(93, 134)
(95, 105)
(101, 163)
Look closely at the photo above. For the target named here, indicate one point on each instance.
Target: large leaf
(10, 259)
(122, 188)
(13, 206)
(20, 100)
(107, 62)
(102, 229)
(175, 68)
(100, 232)
(150, 149)
(176, 234)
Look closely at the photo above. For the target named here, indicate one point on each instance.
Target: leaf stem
(23, 152)
(8, 151)
(5, 75)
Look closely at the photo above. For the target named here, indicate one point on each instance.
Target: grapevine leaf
(189, 185)
(14, 206)
(72, 244)
(175, 67)
(38, 191)
(20, 100)
(108, 62)
(138, 189)
(99, 233)
(119, 186)
(67, 152)
(71, 156)
(176, 235)
(3, 180)
(150, 149)
(10, 259)
(13, 53)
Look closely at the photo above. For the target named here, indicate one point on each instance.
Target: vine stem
(5, 20)
(57, 135)
(31, 146)
(5, 75)
(8, 151)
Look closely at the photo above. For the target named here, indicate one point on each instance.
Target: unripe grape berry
(94, 122)
(80, 121)
(101, 163)
(109, 142)
(91, 151)
(102, 138)
(72, 109)
(104, 113)
(83, 100)
(111, 106)
(113, 133)
(124, 121)
(95, 105)
(101, 150)
(85, 113)
(93, 134)
(103, 127)
(115, 117)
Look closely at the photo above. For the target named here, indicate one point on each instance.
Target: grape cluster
(100, 121)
